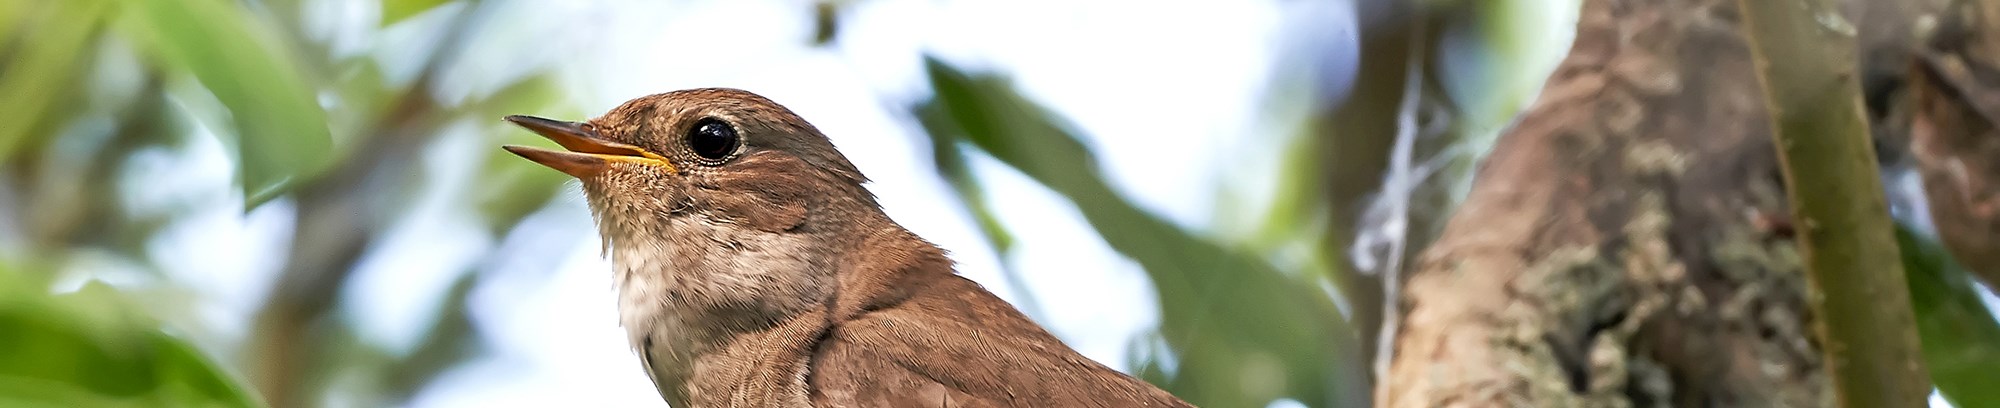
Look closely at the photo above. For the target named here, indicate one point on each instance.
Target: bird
(754, 269)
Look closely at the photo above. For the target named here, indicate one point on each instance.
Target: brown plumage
(754, 270)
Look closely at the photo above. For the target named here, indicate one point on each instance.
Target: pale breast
(693, 282)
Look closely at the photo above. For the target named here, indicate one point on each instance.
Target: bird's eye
(713, 140)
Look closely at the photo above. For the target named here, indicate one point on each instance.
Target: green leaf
(1960, 337)
(512, 188)
(10, 19)
(24, 392)
(951, 164)
(44, 65)
(1244, 334)
(91, 348)
(281, 131)
(394, 11)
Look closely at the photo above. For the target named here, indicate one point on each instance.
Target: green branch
(1804, 52)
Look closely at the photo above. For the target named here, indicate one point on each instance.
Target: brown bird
(753, 269)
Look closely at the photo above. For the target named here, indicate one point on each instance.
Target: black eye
(712, 139)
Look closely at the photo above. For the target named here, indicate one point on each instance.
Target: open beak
(588, 155)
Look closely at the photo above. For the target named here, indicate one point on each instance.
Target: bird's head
(721, 203)
(728, 155)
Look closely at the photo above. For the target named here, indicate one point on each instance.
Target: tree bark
(1948, 115)
(1625, 244)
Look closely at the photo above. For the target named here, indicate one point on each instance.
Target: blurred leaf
(394, 11)
(1296, 195)
(1961, 339)
(1491, 56)
(512, 188)
(1244, 333)
(92, 348)
(951, 164)
(526, 96)
(10, 19)
(363, 93)
(281, 131)
(33, 392)
(46, 65)
(826, 22)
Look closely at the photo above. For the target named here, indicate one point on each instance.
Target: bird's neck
(888, 265)
(688, 282)
(692, 265)
(731, 275)
(692, 289)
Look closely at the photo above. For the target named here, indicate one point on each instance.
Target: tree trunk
(1626, 243)
(1952, 103)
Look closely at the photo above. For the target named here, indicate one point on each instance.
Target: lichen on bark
(1592, 263)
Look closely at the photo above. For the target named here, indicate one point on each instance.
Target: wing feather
(960, 345)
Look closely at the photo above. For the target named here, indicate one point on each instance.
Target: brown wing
(954, 344)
